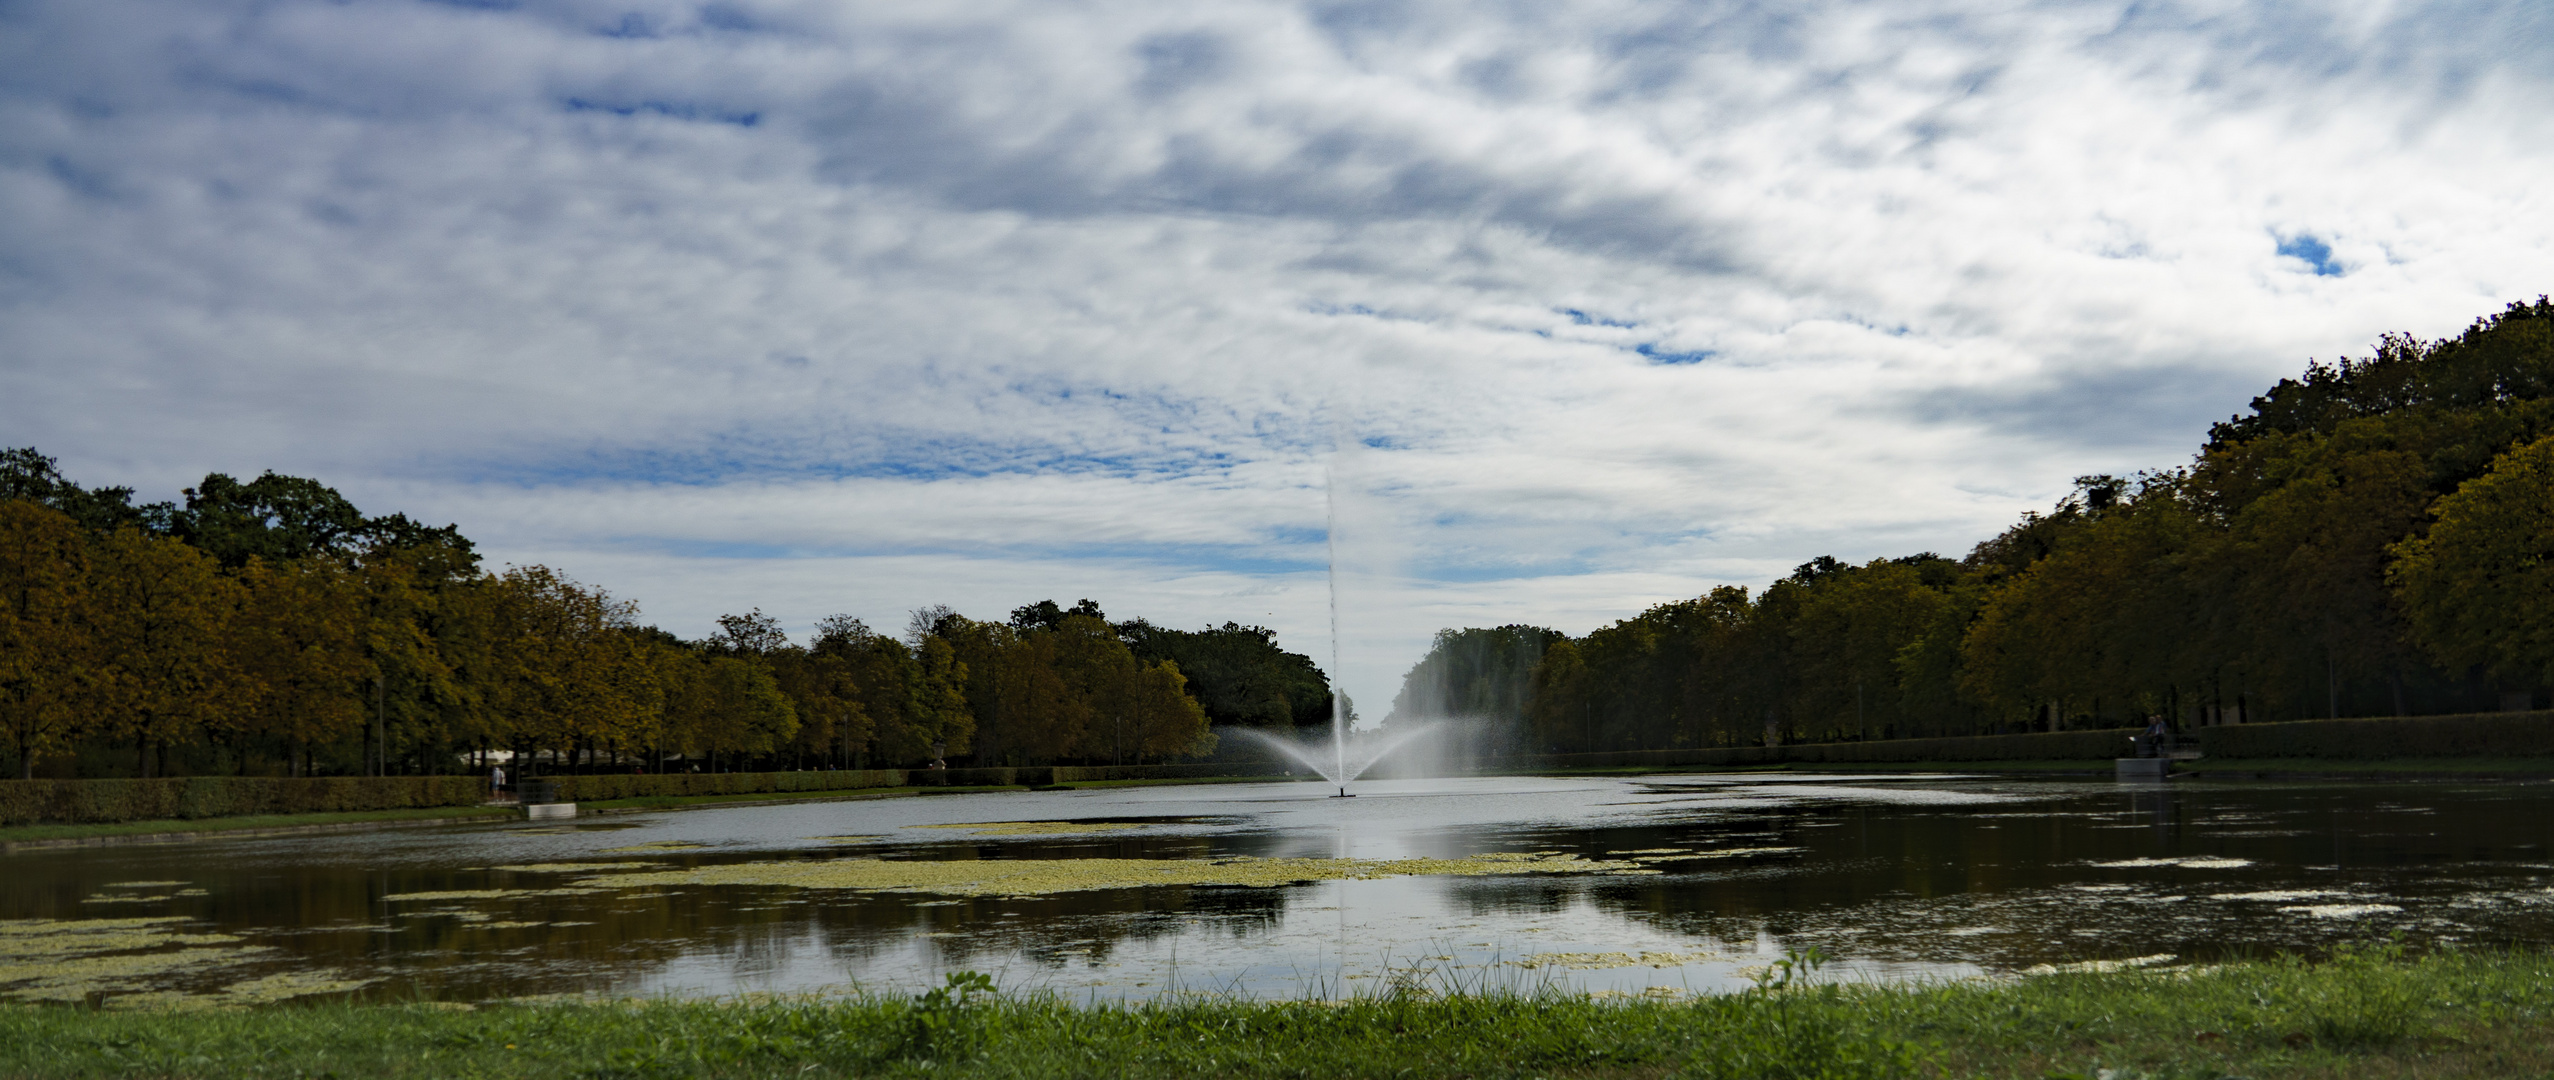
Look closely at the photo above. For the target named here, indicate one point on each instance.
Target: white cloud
(823, 307)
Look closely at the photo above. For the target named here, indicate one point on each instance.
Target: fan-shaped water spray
(1339, 762)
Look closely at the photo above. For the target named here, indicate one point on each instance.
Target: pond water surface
(1662, 885)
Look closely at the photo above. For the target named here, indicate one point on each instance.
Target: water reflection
(1901, 876)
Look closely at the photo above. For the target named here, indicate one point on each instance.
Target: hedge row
(2048, 746)
(599, 788)
(2510, 734)
(28, 802)
(1071, 774)
(31, 802)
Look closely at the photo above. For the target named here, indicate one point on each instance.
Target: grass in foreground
(2370, 1013)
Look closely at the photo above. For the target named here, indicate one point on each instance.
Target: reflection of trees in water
(334, 915)
(2006, 886)
(1877, 882)
(1053, 931)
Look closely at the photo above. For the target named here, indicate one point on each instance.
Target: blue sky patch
(2311, 250)
(1657, 355)
(674, 109)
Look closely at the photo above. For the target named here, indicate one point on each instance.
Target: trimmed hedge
(34, 802)
(81, 802)
(2045, 746)
(1068, 774)
(2511, 734)
(37, 802)
(600, 788)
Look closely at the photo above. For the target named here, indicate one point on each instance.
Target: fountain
(1334, 763)
(1337, 770)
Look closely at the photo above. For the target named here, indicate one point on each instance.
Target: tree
(750, 634)
(886, 682)
(275, 517)
(565, 674)
(1852, 627)
(31, 476)
(719, 707)
(161, 612)
(45, 644)
(1481, 675)
(1238, 674)
(2479, 589)
(298, 648)
(1160, 719)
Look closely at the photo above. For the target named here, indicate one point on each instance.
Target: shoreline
(31, 838)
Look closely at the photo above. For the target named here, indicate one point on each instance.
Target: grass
(23, 833)
(678, 802)
(19, 833)
(2395, 766)
(2103, 766)
(2367, 1013)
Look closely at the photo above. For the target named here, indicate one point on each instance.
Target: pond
(1659, 886)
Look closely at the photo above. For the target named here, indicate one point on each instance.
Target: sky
(1528, 312)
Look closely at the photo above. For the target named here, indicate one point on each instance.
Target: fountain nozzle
(1343, 794)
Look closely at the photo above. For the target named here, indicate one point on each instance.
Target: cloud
(818, 307)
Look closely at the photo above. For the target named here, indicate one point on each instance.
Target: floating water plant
(1034, 828)
(1033, 877)
(1576, 961)
(1724, 853)
(68, 960)
(485, 894)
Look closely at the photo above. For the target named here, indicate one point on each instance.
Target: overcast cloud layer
(829, 307)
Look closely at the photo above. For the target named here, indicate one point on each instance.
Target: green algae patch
(1723, 853)
(264, 990)
(68, 960)
(1036, 877)
(25, 939)
(1034, 828)
(484, 894)
(658, 845)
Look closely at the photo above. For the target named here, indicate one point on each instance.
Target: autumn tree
(297, 646)
(161, 613)
(2479, 588)
(46, 659)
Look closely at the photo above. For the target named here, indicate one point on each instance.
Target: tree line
(268, 627)
(2375, 536)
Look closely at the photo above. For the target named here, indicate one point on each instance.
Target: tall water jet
(1338, 699)
(1338, 764)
